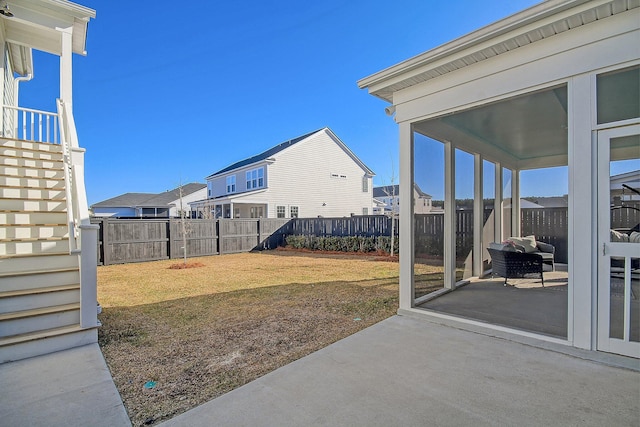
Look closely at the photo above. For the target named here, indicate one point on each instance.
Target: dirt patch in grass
(184, 265)
(199, 333)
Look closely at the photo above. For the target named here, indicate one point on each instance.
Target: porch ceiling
(528, 131)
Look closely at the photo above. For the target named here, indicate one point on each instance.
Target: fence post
(106, 244)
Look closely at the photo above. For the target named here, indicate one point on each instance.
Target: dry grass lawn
(201, 332)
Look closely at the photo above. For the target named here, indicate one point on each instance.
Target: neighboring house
(309, 176)
(554, 85)
(625, 187)
(48, 277)
(389, 196)
(150, 205)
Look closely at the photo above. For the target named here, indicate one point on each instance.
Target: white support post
(66, 68)
(582, 289)
(88, 275)
(516, 223)
(406, 232)
(498, 204)
(478, 214)
(449, 216)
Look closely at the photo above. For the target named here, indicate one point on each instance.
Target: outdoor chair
(510, 262)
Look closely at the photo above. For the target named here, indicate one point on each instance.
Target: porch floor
(524, 304)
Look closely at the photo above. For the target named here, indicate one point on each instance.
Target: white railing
(31, 125)
(83, 236)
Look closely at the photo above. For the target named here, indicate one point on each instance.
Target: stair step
(14, 281)
(27, 321)
(30, 154)
(32, 193)
(31, 145)
(28, 299)
(28, 218)
(45, 341)
(29, 163)
(24, 247)
(32, 205)
(31, 183)
(35, 231)
(20, 172)
(37, 264)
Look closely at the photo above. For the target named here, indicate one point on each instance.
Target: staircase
(39, 276)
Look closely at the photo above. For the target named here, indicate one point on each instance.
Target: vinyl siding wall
(301, 176)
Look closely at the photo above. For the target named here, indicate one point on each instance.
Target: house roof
(387, 190)
(264, 155)
(131, 200)
(284, 145)
(529, 26)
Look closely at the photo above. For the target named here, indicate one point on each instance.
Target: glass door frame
(606, 249)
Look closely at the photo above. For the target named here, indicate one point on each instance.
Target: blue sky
(174, 91)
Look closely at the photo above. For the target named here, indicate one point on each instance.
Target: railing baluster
(24, 125)
(39, 127)
(32, 127)
(48, 127)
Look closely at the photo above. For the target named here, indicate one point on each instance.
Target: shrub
(342, 244)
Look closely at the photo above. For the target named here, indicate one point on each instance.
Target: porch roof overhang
(36, 24)
(526, 132)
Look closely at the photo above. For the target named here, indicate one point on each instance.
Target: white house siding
(301, 176)
(196, 195)
(114, 212)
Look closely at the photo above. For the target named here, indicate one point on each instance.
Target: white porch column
(449, 216)
(516, 226)
(478, 214)
(406, 232)
(66, 68)
(582, 310)
(498, 205)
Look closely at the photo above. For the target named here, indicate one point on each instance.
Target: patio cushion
(616, 236)
(528, 243)
(634, 237)
(503, 247)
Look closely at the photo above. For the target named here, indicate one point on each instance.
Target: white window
(280, 211)
(231, 184)
(294, 211)
(365, 211)
(255, 178)
(365, 184)
(209, 189)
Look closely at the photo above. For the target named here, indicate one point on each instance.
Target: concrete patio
(402, 371)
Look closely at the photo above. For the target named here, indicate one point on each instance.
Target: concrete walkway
(411, 372)
(400, 372)
(67, 389)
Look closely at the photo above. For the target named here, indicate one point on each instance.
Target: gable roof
(284, 145)
(131, 200)
(264, 155)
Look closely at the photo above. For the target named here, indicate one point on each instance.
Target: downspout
(16, 84)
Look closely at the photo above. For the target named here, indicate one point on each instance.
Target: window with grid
(294, 211)
(280, 211)
(231, 184)
(255, 178)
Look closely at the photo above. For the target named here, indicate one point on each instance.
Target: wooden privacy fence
(136, 240)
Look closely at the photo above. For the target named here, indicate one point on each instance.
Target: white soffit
(35, 24)
(529, 26)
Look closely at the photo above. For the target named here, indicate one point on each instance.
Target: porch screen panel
(464, 193)
(624, 225)
(618, 95)
(488, 195)
(507, 222)
(429, 227)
